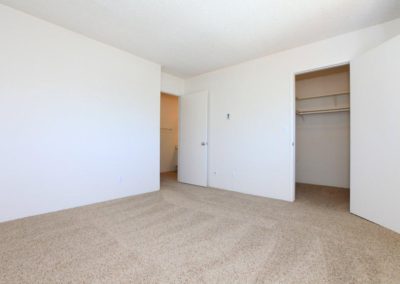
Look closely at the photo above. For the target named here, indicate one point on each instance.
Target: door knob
(203, 143)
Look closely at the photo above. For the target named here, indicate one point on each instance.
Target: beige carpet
(186, 234)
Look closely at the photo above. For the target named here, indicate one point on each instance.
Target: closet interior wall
(323, 127)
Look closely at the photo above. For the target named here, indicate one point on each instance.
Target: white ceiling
(189, 37)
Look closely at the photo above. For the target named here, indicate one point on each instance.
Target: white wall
(171, 84)
(169, 133)
(79, 120)
(252, 152)
(323, 140)
(375, 135)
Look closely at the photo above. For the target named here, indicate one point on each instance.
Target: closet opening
(323, 137)
(169, 137)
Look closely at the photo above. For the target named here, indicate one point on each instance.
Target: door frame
(293, 118)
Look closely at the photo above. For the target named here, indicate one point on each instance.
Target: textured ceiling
(189, 37)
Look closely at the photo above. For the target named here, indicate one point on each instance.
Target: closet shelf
(327, 110)
(323, 96)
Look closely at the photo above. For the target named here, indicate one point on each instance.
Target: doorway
(184, 138)
(169, 136)
(322, 151)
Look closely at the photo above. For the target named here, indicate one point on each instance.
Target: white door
(375, 135)
(193, 128)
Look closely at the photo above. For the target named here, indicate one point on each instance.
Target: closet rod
(316, 111)
(323, 96)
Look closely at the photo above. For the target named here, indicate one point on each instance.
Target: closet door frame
(293, 113)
